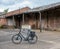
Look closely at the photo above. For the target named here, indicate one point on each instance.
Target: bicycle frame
(21, 35)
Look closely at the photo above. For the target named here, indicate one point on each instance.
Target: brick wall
(3, 21)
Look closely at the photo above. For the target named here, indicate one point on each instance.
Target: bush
(3, 26)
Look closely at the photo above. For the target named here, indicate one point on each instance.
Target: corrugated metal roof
(18, 11)
(41, 8)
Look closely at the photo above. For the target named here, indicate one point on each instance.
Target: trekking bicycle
(31, 37)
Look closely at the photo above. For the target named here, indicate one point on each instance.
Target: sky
(16, 4)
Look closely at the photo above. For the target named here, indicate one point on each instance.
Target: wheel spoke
(16, 39)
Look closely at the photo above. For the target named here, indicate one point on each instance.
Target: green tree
(6, 10)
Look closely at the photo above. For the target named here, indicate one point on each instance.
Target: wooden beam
(54, 19)
(40, 22)
(19, 21)
(23, 19)
(13, 21)
(47, 18)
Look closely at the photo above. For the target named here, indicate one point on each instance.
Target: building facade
(44, 17)
(13, 17)
(2, 19)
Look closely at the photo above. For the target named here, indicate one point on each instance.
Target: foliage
(6, 10)
(3, 26)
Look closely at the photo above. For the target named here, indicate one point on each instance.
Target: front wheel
(16, 39)
(32, 40)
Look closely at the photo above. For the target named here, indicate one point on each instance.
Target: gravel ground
(46, 40)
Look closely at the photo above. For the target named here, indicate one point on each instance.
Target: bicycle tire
(30, 41)
(16, 42)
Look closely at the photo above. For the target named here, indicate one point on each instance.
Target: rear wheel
(16, 39)
(32, 40)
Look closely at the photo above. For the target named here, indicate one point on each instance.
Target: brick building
(2, 19)
(44, 17)
(13, 18)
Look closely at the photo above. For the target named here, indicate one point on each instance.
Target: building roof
(42, 8)
(27, 9)
(16, 12)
